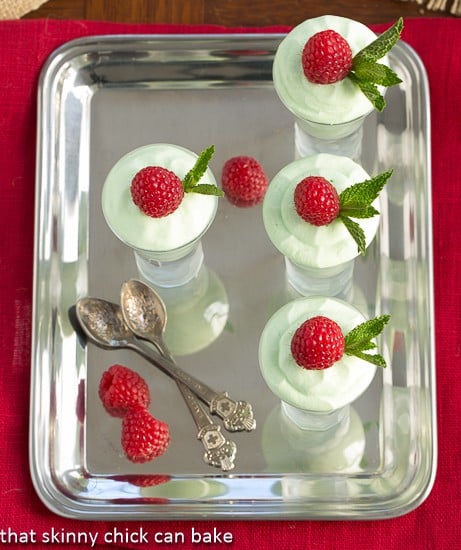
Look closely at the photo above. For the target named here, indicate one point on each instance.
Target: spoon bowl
(103, 323)
(105, 326)
(145, 313)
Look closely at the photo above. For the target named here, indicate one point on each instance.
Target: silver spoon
(103, 323)
(145, 314)
(219, 451)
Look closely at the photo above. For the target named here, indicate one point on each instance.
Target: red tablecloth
(436, 524)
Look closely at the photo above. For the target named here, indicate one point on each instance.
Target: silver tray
(100, 97)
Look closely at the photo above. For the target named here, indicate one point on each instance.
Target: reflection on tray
(197, 312)
(287, 448)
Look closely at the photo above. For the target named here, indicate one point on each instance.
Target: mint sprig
(367, 74)
(356, 202)
(191, 179)
(359, 340)
(384, 43)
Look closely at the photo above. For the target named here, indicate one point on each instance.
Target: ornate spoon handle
(219, 451)
(236, 415)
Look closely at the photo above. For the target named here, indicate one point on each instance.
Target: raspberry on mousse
(316, 200)
(326, 58)
(157, 191)
(318, 343)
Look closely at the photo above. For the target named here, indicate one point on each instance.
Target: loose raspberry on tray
(144, 437)
(121, 389)
(125, 394)
(243, 181)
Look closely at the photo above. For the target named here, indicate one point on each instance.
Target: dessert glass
(328, 117)
(319, 260)
(168, 250)
(287, 448)
(313, 400)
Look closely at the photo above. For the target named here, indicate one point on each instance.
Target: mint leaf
(365, 192)
(356, 202)
(362, 334)
(370, 345)
(207, 189)
(379, 47)
(359, 339)
(356, 232)
(366, 73)
(196, 172)
(376, 359)
(376, 73)
(370, 91)
(359, 211)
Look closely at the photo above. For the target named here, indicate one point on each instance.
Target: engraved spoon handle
(199, 388)
(199, 414)
(236, 415)
(219, 451)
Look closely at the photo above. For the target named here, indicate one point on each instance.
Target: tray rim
(49, 489)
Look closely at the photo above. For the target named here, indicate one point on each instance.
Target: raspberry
(243, 181)
(318, 343)
(326, 58)
(156, 191)
(121, 389)
(143, 436)
(316, 200)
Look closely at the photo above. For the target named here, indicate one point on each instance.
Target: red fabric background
(436, 523)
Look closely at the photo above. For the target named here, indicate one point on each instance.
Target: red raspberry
(143, 436)
(316, 200)
(156, 191)
(243, 181)
(121, 389)
(326, 58)
(318, 343)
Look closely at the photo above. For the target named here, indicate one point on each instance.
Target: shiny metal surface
(104, 325)
(145, 314)
(103, 96)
